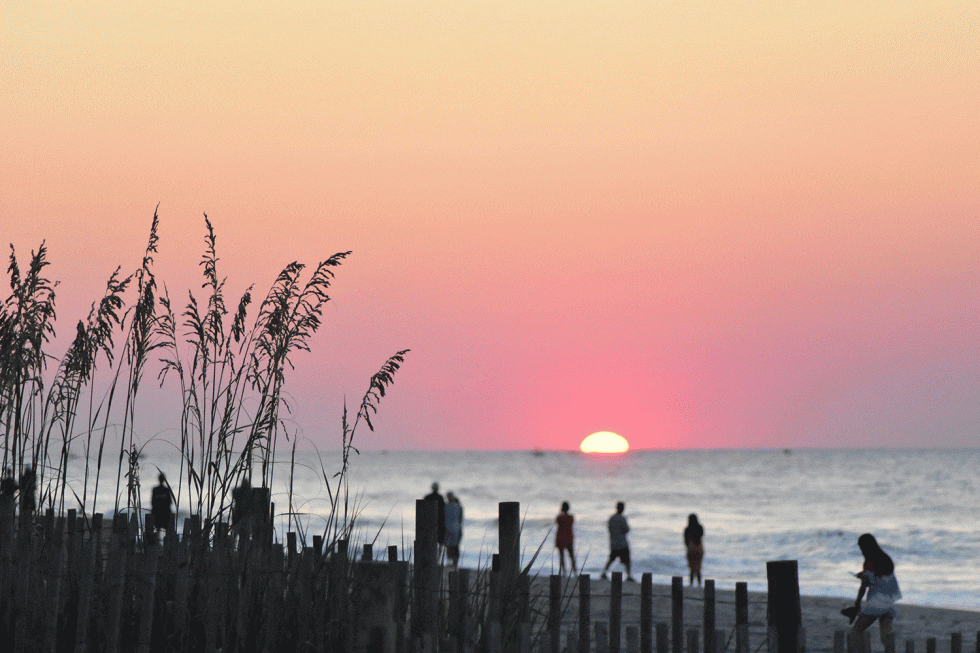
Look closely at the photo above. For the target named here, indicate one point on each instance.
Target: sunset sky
(695, 224)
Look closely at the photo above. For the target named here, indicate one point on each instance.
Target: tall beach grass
(225, 360)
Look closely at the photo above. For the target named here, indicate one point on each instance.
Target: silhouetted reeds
(229, 370)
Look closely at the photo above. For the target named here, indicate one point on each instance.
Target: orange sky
(695, 224)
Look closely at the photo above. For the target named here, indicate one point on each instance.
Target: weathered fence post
(373, 607)
(151, 559)
(693, 645)
(783, 610)
(554, 613)
(584, 612)
(632, 639)
(601, 637)
(615, 611)
(663, 638)
(741, 617)
(646, 613)
(677, 614)
(116, 579)
(426, 569)
(55, 573)
(840, 641)
(509, 513)
(955, 643)
(710, 644)
(931, 645)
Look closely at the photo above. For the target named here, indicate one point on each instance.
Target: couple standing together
(619, 545)
(449, 522)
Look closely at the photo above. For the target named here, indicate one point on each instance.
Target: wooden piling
(741, 617)
(554, 613)
(601, 637)
(584, 612)
(677, 614)
(425, 579)
(615, 611)
(632, 639)
(693, 645)
(663, 638)
(783, 609)
(646, 613)
(509, 529)
(710, 644)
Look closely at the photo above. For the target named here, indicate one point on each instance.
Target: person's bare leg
(886, 626)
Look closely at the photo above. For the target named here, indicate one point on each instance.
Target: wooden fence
(69, 584)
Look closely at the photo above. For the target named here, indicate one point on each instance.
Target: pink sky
(730, 225)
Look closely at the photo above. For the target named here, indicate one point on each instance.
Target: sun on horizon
(604, 442)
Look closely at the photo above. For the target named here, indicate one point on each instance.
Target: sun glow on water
(604, 442)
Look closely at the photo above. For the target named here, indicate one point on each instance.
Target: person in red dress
(565, 538)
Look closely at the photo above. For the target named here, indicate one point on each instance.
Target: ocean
(923, 506)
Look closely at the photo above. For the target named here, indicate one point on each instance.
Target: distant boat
(537, 451)
(787, 451)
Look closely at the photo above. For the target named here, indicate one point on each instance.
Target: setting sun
(604, 442)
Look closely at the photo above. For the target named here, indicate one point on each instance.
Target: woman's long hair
(880, 560)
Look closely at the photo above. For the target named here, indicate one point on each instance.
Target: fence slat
(677, 614)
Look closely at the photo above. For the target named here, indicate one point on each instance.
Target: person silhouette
(693, 535)
(454, 528)
(241, 511)
(618, 544)
(440, 514)
(879, 581)
(27, 488)
(565, 538)
(161, 500)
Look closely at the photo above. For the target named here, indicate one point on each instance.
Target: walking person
(565, 538)
(879, 582)
(693, 541)
(454, 528)
(618, 544)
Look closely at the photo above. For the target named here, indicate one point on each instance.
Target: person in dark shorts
(565, 538)
(618, 545)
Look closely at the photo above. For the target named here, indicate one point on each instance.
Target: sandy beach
(821, 616)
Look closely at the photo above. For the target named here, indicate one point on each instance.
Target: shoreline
(820, 615)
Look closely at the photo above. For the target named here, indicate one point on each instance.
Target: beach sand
(821, 616)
